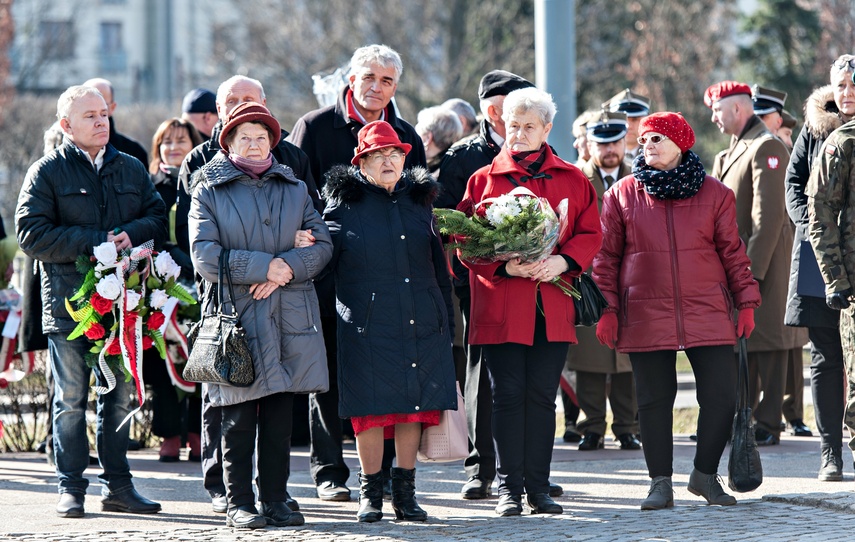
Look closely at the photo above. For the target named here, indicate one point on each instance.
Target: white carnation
(158, 299)
(166, 267)
(133, 300)
(106, 253)
(110, 287)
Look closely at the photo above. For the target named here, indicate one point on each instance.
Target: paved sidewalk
(603, 490)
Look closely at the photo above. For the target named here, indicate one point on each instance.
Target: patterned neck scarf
(253, 168)
(530, 161)
(682, 182)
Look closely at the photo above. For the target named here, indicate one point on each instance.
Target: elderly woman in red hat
(252, 207)
(393, 297)
(673, 270)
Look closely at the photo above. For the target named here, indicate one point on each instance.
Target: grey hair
(376, 54)
(63, 104)
(442, 123)
(485, 104)
(529, 99)
(225, 86)
(464, 110)
(846, 68)
(53, 137)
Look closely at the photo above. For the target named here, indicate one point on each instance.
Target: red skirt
(388, 421)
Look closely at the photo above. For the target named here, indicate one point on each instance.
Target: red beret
(250, 112)
(724, 89)
(669, 124)
(375, 136)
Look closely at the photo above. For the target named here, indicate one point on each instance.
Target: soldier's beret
(723, 90)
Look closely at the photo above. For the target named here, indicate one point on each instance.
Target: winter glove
(745, 323)
(607, 329)
(839, 300)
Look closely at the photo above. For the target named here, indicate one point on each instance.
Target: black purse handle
(224, 274)
(742, 375)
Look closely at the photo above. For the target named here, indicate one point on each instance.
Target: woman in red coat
(673, 269)
(524, 323)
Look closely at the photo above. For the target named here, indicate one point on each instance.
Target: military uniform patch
(773, 162)
(830, 149)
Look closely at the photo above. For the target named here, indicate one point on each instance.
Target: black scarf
(682, 182)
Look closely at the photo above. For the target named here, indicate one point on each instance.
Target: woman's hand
(262, 290)
(304, 238)
(516, 268)
(279, 272)
(607, 329)
(551, 268)
(745, 323)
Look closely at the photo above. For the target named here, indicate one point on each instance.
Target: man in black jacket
(231, 93)
(122, 142)
(81, 195)
(328, 137)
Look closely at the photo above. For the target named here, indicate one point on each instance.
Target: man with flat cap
(594, 363)
(754, 167)
(200, 108)
(460, 162)
(636, 108)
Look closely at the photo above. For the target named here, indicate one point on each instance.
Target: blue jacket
(393, 296)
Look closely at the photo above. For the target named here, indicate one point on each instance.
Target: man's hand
(121, 240)
(839, 300)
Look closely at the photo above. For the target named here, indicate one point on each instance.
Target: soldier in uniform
(754, 167)
(595, 364)
(636, 108)
(831, 230)
(785, 132)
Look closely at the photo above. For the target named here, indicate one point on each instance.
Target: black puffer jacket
(66, 209)
(821, 118)
(393, 296)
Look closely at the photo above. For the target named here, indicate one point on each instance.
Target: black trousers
(478, 400)
(268, 418)
(171, 416)
(524, 381)
(826, 384)
(212, 450)
(715, 369)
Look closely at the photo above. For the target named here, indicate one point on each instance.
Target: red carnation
(4, 383)
(101, 304)
(147, 342)
(481, 211)
(95, 332)
(114, 348)
(155, 320)
(466, 207)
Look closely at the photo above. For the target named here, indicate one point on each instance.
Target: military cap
(501, 83)
(626, 101)
(723, 90)
(199, 100)
(607, 127)
(767, 100)
(789, 120)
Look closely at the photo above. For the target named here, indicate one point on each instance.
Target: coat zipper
(364, 330)
(678, 308)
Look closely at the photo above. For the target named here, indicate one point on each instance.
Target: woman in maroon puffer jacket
(673, 269)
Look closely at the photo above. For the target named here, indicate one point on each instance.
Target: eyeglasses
(845, 63)
(655, 139)
(377, 158)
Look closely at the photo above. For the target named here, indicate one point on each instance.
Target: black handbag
(590, 307)
(219, 352)
(744, 470)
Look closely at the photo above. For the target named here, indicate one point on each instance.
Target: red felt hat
(250, 112)
(669, 124)
(375, 136)
(724, 89)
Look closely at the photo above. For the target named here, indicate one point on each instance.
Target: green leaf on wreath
(87, 286)
(133, 280)
(177, 291)
(152, 282)
(159, 343)
(83, 264)
(84, 325)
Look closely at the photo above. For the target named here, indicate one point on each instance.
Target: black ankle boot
(404, 495)
(370, 497)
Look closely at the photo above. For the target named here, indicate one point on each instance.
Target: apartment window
(56, 39)
(113, 56)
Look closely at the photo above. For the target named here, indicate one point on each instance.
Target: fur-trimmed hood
(346, 184)
(821, 114)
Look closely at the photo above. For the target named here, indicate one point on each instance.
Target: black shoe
(169, 458)
(693, 437)
(245, 517)
(765, 438)
(133, 445)
(509, 505)
(194, 458)
(555, 490)
(93, 461)
(387, 487)
(129, 502)
(280, 514)
(831, 469)
(628, 442)
(291, 503)
(404, 495)
(70, 505)
(542, 503)
(333, 491)
(476, 488)
(591, 441)
(800, 429)
(571, 436)
(370, 497)
(42, 447)
(219, 504)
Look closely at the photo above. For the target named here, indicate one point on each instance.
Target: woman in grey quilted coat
(247, 203)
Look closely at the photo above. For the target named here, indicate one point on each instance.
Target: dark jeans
(656, 388)
(212, 451)
(171, 416)
(271, 417)
(71, 393)
(524, 382)
(478, 400)
(826, 383)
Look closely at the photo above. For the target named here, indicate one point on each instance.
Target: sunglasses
(844, 64)
(655, 139)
